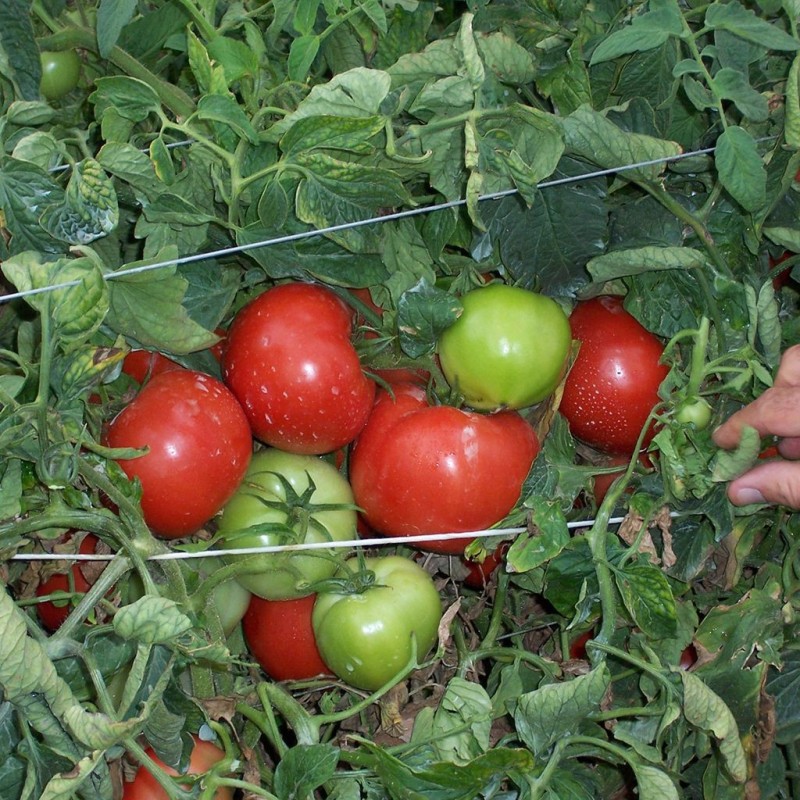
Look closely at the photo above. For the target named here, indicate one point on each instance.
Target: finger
(774, 413)
(790, 448)
(774, 482)
(789, 369)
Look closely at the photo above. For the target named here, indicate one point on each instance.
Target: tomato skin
(141, 365)
(417, 468)
(204, 755)
(199, 449)
(695, 412)
(507, 349)
(365, 639)
(577, 648)
(613, 385)
(61, 70)
(280, 637)
(284, 576)
(52, 614)
(290, 362)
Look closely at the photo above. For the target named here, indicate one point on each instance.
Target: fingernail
(747, 496)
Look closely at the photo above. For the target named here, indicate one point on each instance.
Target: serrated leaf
(423, 313)
(468, 50)
(555, 710)
(19, 45)
(743, 22)
(151, 620)
(149, 308)
(131, 165)
(705, 709)
(112, 17)
(647, 31)
(505, 57)
(646, 593)
(740, 167)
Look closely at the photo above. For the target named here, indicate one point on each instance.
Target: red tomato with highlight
(204, 755)
(290, 362)
(280, 637)
(613, 384)
(53, 613)
(418, 468)
(199, 449)
(141, 365)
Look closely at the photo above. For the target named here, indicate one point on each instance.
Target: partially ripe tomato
(507, 349)
(204, 755)
(53, 613)
(613, 385)
(280, 637)
(199, 446)
(290, 362)
(60, 72)
(418, 468)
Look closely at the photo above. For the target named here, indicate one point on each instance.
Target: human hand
(775, 413)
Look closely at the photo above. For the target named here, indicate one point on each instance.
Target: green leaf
(302, 769)
(646, 593)
(647, 31)
(468, 50)
(730, 84)
(654, 783)
(151, 620)
(130, 164)
(423, 313)
(225, 109)
(592, 136)
(305, 16)
(237, 59)
(556, 710)
(148, 307)
(439, 780)
(132, 99)
(740, 167)
(743, 22)
(792, 124)
(18, 42)
(621, 263)
(88, 209)
(705, 710)
(548, 538)
(507, 59)
(462, 723)
(328, 132)
(302, 53)
(112, 17)
(784, 686)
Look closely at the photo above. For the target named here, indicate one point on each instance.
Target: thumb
(774, 482)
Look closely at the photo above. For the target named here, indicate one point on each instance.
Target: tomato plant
(280, 637)
(287, 498)
(203, 757)
(61, 70)
(199, 446)
(418, 468)
(507, 349)
(290, 362)
(365, 637)
(612, 387)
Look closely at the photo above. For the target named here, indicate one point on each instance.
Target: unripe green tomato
(696, 412)
(60, 72)
(507, 349)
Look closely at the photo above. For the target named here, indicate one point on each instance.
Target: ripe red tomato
(280, 637)
(141, 365)
(577, 648)
(199, 449)
(290, 362)
(204, 755)
(53, 613)
(613, 384)
(480, 571)
(418, 468)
